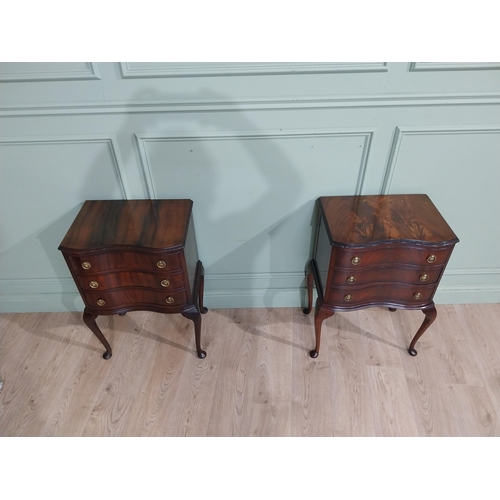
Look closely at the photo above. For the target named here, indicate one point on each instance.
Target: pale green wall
(254, 145)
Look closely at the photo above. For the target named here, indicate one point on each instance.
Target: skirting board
(251, 290)
(237, 298)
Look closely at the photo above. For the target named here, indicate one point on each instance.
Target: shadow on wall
(242, 183)
(247, 194)
(245, 189)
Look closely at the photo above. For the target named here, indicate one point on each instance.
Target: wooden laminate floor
(257, 379)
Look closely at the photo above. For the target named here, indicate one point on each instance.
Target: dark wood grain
(367, 220)
(383, 294)
(114, 259)
(132, 296)
(392, 253)
(135, 255)
(139, 223)
(386, 250)
(385, 274)
(111, 280)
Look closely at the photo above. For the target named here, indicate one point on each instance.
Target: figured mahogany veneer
(129, 255)
(387, 250)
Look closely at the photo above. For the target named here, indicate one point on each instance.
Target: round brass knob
(347, 297)
(169, 300)
(161, 264)
(351, 279)
(355, 261)
(424, 277)
(417, 295)
(431, 258)
(101, 302)
(86, 265)
(93, 284)
(165, 283)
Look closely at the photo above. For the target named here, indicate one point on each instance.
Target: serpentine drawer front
(387, 250)
(130, 255)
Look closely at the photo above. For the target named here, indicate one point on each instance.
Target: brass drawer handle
(86, 265)
(347, 297)
(165, 283)
(101, 302)
(161, 264)
(431, 258)
(351, 279)
(417, 295)
(355, 261)
(93, 284)
(424, 277)
(169, 300)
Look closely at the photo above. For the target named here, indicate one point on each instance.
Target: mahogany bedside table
(387, 250)
(136, 255)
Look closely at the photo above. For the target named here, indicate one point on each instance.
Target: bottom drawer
(133, 297)
(380, 294)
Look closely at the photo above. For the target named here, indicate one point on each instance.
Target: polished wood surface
(258, 379)
(135, 255)
(108, 223)
(366, 220)
(387, 250)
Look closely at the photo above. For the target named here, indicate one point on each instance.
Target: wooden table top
(368, 220)
(155, 224)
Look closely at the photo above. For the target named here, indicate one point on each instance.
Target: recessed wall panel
(254, 194)
(180, 69)
(43, 185)
(460, 170)
(39, 71)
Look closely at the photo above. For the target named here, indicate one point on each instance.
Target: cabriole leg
(195, 317)
(430, 316)
(320, 314)
(89, 320)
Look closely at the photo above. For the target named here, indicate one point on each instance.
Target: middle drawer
(107, 281)
(392, 254)
(410, 276)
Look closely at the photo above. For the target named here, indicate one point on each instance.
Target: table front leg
(194, 315)
(430, 316)
(89, 320)
(320, 314)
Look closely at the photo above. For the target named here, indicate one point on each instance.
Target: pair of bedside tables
(130, 255)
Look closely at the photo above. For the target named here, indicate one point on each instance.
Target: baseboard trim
(41, 302)
(231, 298)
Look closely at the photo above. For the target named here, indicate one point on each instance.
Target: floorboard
(257, 379)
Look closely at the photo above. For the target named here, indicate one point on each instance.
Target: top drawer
(392, 254)
(111, 261)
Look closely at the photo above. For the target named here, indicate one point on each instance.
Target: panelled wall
(253, 145)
